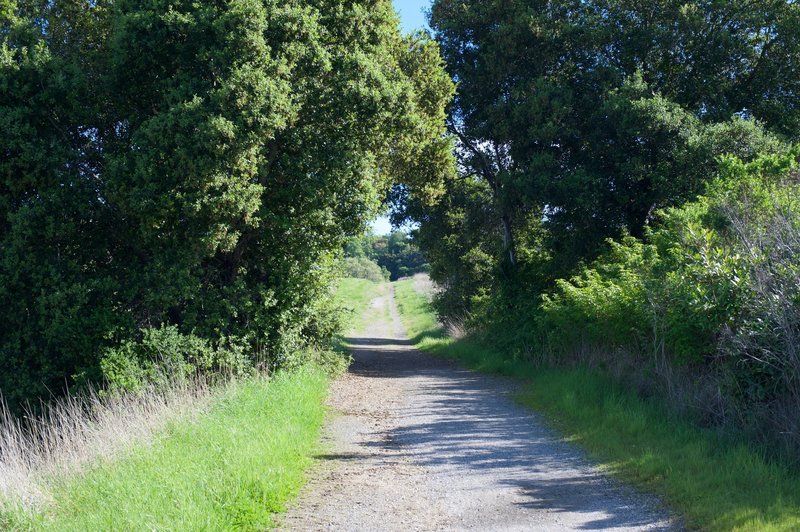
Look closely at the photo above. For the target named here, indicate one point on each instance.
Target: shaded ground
(416, 443)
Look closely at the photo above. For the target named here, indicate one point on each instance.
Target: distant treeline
(627, 196)
(178, 178)
(389, 257)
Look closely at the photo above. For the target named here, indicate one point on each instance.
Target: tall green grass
(233, 467)
(715, 484)
(355, 295)
(229, 461)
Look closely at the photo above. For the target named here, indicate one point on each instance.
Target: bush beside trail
(707, 308)
(364, 268)
(702, 312)
(627, 199)
(177, 182)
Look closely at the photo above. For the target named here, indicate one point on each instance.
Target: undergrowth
(713, 482)
(191, 455)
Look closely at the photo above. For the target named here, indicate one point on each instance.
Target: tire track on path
(417, 443)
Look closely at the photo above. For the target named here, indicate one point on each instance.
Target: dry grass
(424, 285)
(74, 433)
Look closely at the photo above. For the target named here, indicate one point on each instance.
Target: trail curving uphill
(417, 443)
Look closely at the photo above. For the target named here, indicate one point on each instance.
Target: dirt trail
(416, 443)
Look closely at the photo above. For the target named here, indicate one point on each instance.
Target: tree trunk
(509, 245)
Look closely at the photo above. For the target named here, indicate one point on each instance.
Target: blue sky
(411, 13)
(412, 17)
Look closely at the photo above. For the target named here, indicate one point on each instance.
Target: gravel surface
(417, 443)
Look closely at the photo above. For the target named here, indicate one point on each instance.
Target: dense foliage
(710, 302)
(577, 121)
(364, 268)
(394, 255)
(624, 186)
(182, 175)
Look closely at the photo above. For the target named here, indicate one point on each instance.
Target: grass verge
(355, 296)
(714, 484)
(233, 467)
(206, 459)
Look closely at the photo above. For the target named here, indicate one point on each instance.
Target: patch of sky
(412, 17)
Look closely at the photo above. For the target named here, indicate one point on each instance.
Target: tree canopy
(576, 121)
(626, 196)
(195, 165)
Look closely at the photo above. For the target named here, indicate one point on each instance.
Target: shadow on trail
(464, 426)
(335, 457)
(373, 342)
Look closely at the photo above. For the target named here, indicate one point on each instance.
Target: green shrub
(364, 268)
(164, 354)
(697, 288)
(607, 302)
(714, 292)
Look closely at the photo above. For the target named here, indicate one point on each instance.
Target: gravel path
(416, 443)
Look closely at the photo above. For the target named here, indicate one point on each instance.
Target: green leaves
(583, 119)
(715, 290)
(197, 165)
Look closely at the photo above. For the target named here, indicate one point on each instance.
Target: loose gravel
(417, 443)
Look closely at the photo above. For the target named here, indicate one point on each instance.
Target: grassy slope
(355, 295)
(234, 467)
(716, 486)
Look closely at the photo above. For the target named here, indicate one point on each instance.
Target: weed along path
(416, 443)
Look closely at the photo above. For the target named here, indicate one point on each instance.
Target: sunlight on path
(415, 443)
